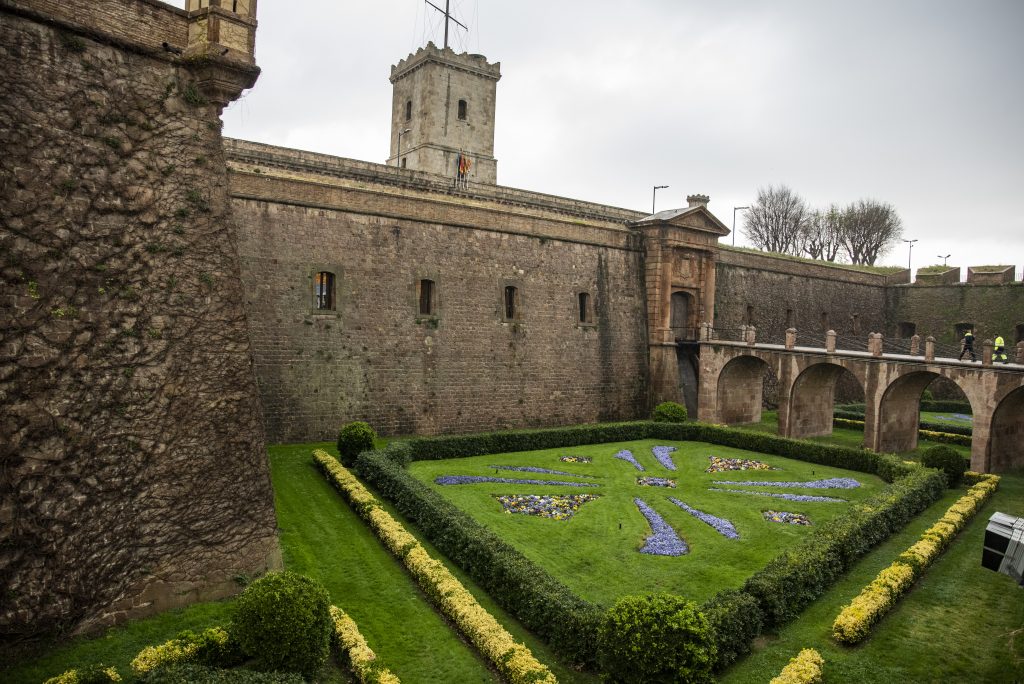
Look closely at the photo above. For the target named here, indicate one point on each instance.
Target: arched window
(585, 310)
(323, 291)
(511, 303)
(426, 297)
(462, 110)
(408, 110)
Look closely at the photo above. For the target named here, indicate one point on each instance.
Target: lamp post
(654, 197)
(398, 156)
(910, 252)
(734, 210)
(944, 258)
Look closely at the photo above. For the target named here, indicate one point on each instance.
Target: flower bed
(476, 479)
(831, 483)
(626, 455)
(575, 459)
(556, 507)
(664, 456)
(787, 497)
(721, 465)
(721, 525)
(786, 517)
(655, 482)
(353, 647)
(663, 540)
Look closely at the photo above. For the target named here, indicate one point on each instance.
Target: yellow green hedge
(804, 668)
(855, 620)
(74, 676)
(361, 658)
(514, 661)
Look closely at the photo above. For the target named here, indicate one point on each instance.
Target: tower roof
(474, 64)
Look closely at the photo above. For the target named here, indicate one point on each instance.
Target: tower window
(585, 310)
(323, 291)
(408, 110)
(511, 303)
(427, 304)
(462, 110)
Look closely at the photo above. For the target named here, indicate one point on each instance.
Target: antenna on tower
(447, 18)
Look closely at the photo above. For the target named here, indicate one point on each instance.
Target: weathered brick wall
(133, 475)
(376, 359)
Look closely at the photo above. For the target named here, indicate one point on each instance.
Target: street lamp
(398, 157)
(910, 251)
(655, 195)
(944, 258)
(734, 210)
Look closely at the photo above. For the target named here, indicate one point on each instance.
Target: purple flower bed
(663, 540)
(576, 459)
(719, 465)
(787, 497)
(474, 479)
(555, 507)
(721, 525)
(626, 455)
(535, 469)
(786, 517)
(831, 483)
(655, 482)
(663, 454)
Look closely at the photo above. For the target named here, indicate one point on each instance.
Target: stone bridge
(731, 378)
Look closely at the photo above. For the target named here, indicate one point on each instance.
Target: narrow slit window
(824, 320)
(750, 314)
(789, 318)
(324, 291)
(462, 110)
(408, 110)
(585, 311)
(855, 318)
(511, 302)
(427, 297)
(405, 162)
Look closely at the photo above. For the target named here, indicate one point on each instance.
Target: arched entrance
(1006, 438)
(740, 386)
(812, 400)
(899, 411)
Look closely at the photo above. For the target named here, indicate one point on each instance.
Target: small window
(511, 302)
(855, 320)
(824, 321)
(789, 318)
(427, 305)
(323, 291)
(1019, 333)
(462, 110)
(907, 330)
(408, 110)
(405, 162)
(585, 311)
(750, 314)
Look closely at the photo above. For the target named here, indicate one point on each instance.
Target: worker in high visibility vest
(999, 350)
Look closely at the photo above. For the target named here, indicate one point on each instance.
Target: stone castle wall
(134, 476)
(466, 369)
(937, 309)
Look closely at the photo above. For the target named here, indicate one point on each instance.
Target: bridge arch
(1006, 435)
(899, 411)
(812, 399)
(741, 390)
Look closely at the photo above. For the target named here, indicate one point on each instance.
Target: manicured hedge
(353, 649)
(948, 428)
(544, 605)
(804, 668)
(461, 446)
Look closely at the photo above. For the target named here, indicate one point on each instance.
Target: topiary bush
(656, 638)
(946, 459)
(669, 412)
(353, 439)
(283, 621)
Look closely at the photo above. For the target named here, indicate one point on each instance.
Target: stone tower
(443, 106)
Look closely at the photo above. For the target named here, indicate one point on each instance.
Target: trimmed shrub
(735, 619)
(804, 668)
(90, 674)
(353, 439)
(213, 646)
(946, 459)
(669, 412)
(282, 620)
(656, 638)
(354, 649)
(194, 673)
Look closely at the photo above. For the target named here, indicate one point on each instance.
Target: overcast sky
(916, 103)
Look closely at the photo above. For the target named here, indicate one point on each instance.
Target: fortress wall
(134, 473)
(937, 309)
(376, 359)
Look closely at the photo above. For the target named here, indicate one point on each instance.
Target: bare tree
(774, 220)
(821, 236)
(870, 229)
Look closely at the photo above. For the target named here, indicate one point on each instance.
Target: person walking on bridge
(999, 350)
(968, 346)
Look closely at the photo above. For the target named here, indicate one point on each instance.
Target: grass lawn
(596, 552)
(955, 625)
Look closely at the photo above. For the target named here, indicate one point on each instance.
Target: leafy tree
(870, 229)
(774, 221)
